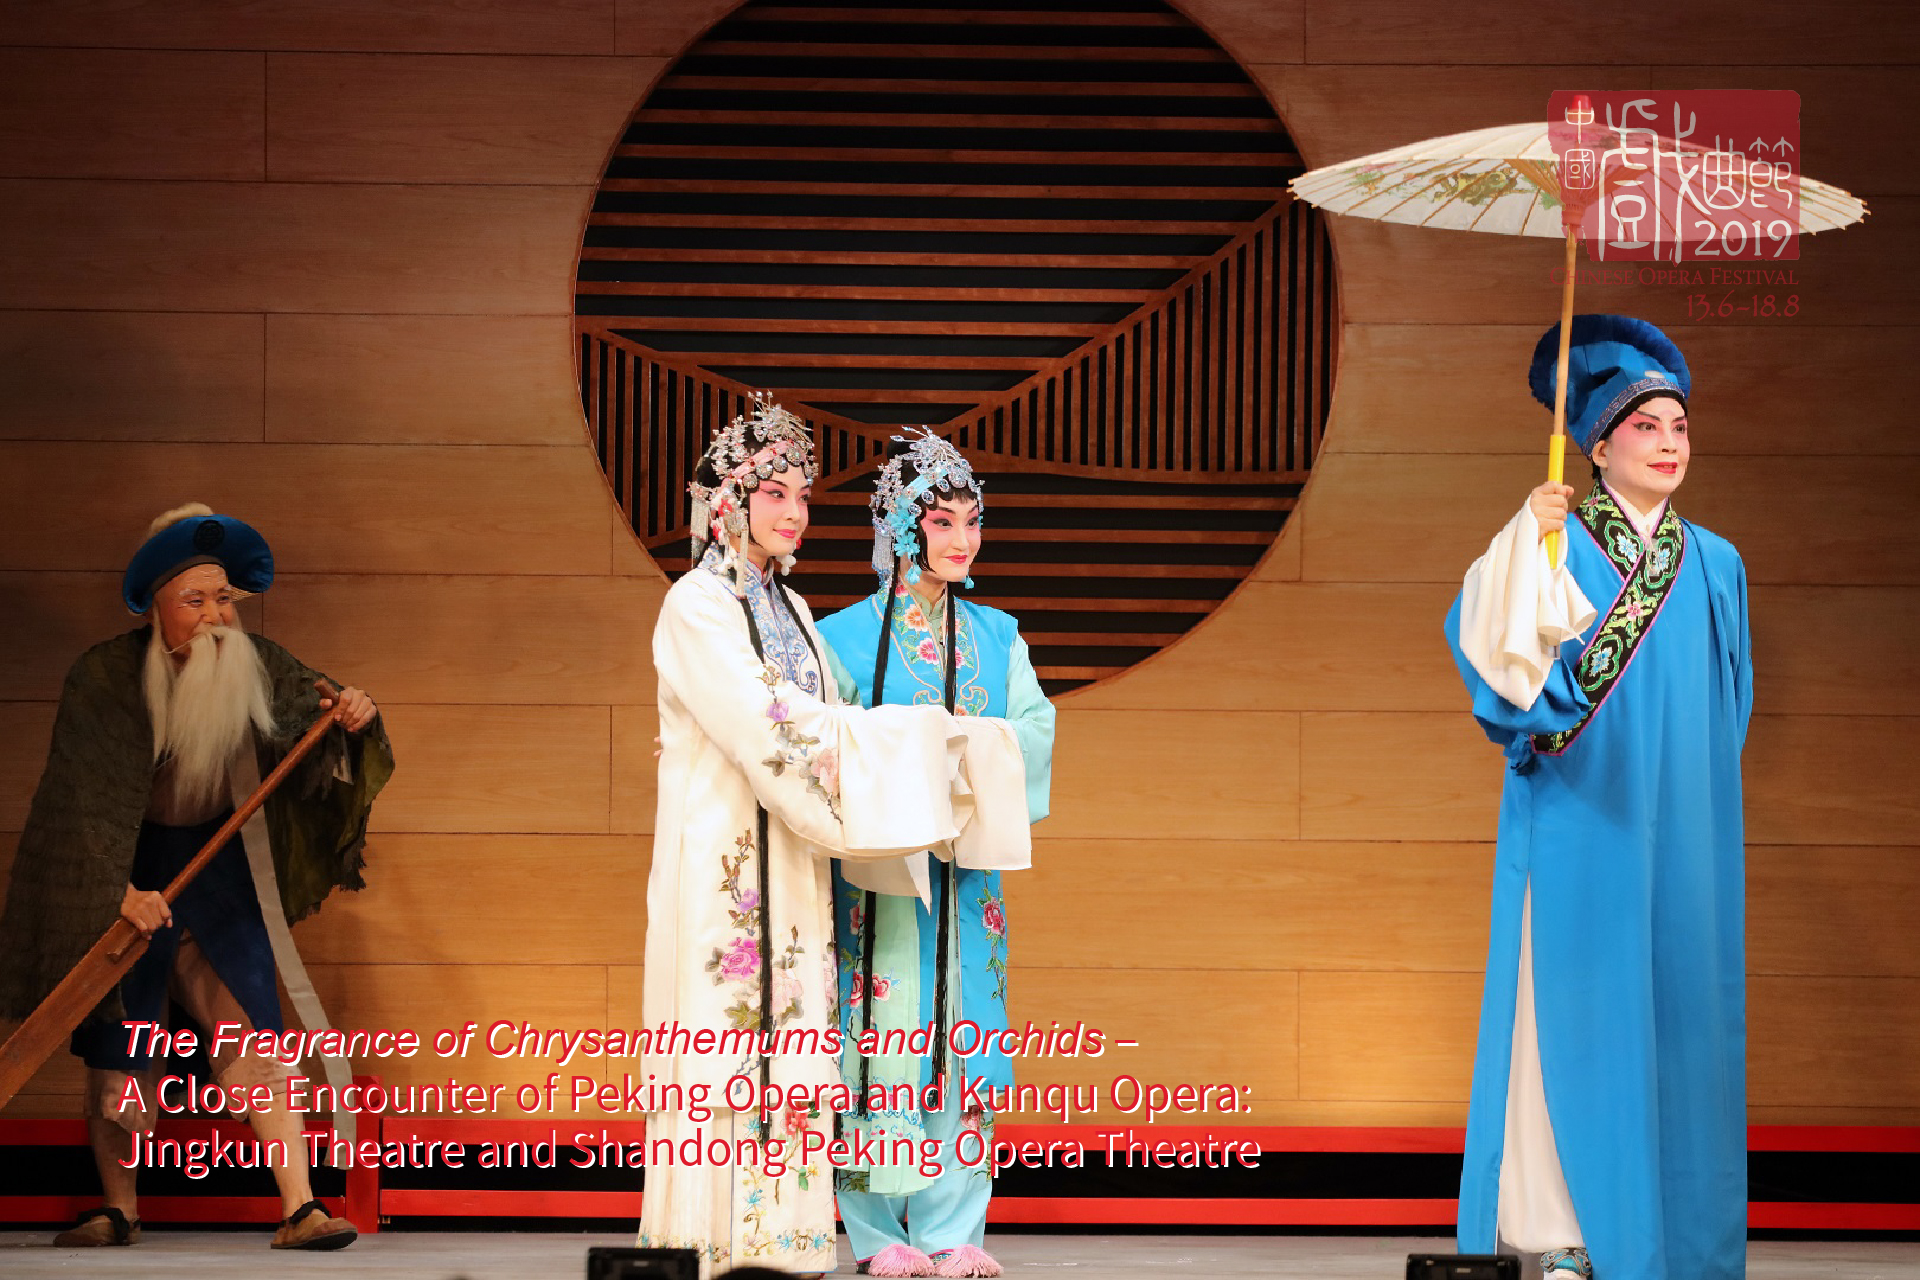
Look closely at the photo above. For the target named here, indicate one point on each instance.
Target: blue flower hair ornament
(937, 467)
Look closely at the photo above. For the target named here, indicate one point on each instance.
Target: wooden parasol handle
(48, 1026)
(1557, 443)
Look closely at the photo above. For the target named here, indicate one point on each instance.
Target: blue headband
(232, 544)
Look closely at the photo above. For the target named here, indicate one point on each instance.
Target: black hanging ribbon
(944, 899)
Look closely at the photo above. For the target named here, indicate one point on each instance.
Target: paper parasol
(1508, 180)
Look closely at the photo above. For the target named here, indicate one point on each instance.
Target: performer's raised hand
(146, 910)
(1549, 506)
(353, 709)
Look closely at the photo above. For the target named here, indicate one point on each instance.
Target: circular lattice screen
(1059, 235)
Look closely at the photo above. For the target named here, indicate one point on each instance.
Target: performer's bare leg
(199, 990)
(111, 1131)
(112, 1153)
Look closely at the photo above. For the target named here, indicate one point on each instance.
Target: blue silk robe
(993, 678)
(1632, 837)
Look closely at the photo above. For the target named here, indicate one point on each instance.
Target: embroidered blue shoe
(1573, 1261)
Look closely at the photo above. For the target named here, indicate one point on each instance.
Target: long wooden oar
(48, 1026)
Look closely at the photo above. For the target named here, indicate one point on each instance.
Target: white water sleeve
(1516, 611)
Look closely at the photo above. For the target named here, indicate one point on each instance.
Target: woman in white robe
(764, 776)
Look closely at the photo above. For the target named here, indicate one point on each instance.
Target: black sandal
(84, 1235)
(328, 1233)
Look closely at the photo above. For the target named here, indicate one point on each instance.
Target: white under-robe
(836, 781)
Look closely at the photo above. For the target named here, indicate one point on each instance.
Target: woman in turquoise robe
(1621, 812)
(892, 976)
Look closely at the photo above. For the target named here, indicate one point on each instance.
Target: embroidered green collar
(1647, 572)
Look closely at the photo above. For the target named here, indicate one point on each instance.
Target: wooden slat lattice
(1060, 238)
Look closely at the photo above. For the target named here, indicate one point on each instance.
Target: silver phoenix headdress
(751, 448)
(938, 467)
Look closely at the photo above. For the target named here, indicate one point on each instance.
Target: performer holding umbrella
(1607, 1130)
(159, 735)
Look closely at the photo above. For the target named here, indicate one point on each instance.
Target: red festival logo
(1695, 175)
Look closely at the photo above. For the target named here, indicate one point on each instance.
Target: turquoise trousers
(946, 1215)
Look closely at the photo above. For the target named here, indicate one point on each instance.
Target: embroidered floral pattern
(738, 963)
(781, 640)
(763, 1189)
(757, 1242)
(993, 916)
(1648, 574)
(788, 992)
(918, 641)
(708, 1249)
(882, 988)
(797, 750)
(849, 941)
(739, 960)
(981, 1124)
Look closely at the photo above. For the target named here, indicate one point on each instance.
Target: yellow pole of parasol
(1557, 443)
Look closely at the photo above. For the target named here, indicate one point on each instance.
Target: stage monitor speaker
(1461, 1266)
(606, 1262)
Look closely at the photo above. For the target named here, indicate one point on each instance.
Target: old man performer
(160, 733)
(1607, 1132)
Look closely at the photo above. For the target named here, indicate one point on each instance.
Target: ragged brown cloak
(76, 852)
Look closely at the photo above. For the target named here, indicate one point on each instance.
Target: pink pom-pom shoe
(967, 1260)
(898, 1260)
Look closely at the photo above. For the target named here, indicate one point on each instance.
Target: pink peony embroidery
(742, 959)
(826, 769)
(929, 651)
(994, 919)
(882, 987)
(749, 900)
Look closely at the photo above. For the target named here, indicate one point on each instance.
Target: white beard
(203, 712)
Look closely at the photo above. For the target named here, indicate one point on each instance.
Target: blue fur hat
(1615, 364)
(205, 538)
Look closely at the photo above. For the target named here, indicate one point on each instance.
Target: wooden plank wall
(311, 263)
